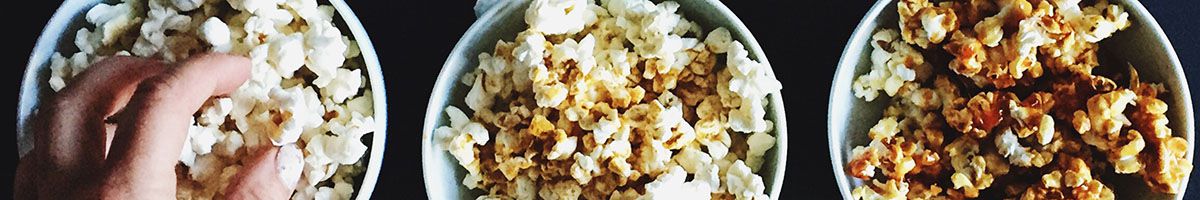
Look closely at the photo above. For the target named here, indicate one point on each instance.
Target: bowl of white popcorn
(1010, 99)
(610, 99)
(312, 88)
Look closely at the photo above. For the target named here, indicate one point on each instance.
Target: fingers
(25, 184)
(73, 120)
(266, 176)
(70, 136)
(153, 126)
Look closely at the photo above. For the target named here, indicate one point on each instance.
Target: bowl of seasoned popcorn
(612, 99)
(312, 85)
(1010, 99)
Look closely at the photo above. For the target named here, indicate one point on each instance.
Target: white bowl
(443, 175)
(1143, 44)
(58, 37)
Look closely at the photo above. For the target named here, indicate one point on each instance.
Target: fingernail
(290, 163)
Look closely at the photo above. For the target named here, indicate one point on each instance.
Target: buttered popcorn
(625, 99)
(306, 94)
(1015, 113)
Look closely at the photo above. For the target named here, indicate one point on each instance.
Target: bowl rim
(857, 38)
(433, 113)
(861, 34)
(61, 20)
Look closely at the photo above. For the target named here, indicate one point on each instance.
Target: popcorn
(296, 111)
(111, 22)
(216, 33)
(891, 190)
(568, 88)
(563, 147)
(890, 69)
(319, 131)
(671, 185)
(187, 5)
(287, 54)
(324, 48)
(346, 85)
(559, 16)
(1007, 48)
(923, 23)
(152, 39)
(744, 184)
(759, 143)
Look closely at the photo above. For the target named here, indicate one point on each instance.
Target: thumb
(272, 174)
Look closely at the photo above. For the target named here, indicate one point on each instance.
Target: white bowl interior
(1155, 60)
(443, 175)
(58, 36)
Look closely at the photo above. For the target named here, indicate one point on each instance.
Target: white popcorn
(752, 82)
(584, 168)
(258, 29)
(1007, 145)
(187, 5)
(344, 86)
(529, 55)
(888, 72)
(206, 166)
(671, 185)
(253, 5)
(563, 147)
(216, 33)
(759, 143)
(559, 16)
(347, 147)
(159, 19)
(362, 104)
(692, 160)
(203, 137)
(215, 114)
(59, 71)
(233, 141)
(187, 156)
(744, 184)
(581, 52)
(932, 24)
(86, 42)
(478, 98)
(111, 21)
(718, 41)
(298, 109)
(326, 51)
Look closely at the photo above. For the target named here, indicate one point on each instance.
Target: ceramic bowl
(1143, 44)
(443, 175)
(58, 36)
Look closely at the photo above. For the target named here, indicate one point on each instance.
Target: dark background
(803, 40)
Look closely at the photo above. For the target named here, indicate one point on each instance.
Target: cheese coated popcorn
(624, 99)
(1017, 112)
(319, 124)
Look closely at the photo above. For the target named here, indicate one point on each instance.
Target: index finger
(151, 133)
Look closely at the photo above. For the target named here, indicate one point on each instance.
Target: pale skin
(116, 132)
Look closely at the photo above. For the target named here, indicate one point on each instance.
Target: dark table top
(413, 39)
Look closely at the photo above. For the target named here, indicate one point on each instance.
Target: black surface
(413, 39)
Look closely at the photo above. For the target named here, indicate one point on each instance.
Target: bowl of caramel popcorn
(1010, 99)
(611, 99)
(315, 89)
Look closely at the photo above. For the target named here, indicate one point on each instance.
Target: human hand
(80, 153)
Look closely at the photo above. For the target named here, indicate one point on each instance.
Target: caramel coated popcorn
(621, 100)
(1015, 112)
